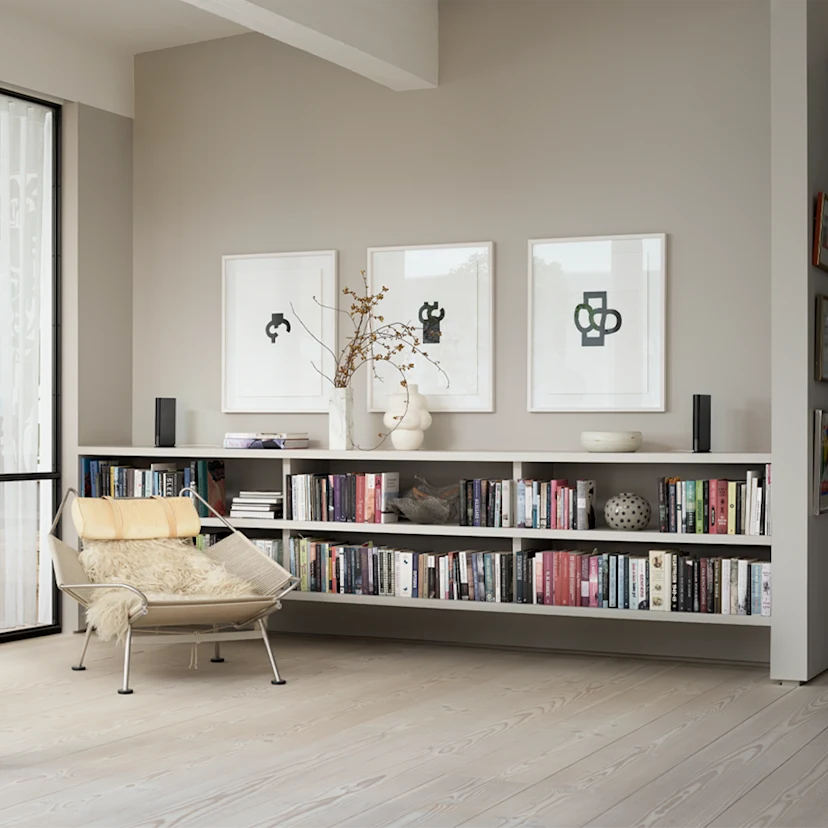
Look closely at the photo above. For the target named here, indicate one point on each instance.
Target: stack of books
(266, 440)
(257, 505)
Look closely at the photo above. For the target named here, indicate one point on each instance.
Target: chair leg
(125, 691)
(278, 679)
(217, 659)
(79, 665)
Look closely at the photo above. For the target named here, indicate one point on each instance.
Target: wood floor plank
(794, 795)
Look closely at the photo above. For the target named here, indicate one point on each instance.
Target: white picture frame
(417, 277)
(264, 295)
(569, 281)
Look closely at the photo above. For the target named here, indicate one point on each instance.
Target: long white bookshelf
(643, 467)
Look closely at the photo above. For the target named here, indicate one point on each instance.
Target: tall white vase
(341, 419)
(409, 422)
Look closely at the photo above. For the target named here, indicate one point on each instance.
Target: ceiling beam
(392, 42)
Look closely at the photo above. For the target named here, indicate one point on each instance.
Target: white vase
(341, 419)
(407, 418)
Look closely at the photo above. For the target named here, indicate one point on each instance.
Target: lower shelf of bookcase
(531, 609)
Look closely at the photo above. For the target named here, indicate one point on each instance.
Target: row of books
(272, 547)
(663, 580)
(102, 478)
(532, 504)
(328, 566)
(716, 507)
(257, 505)
(660, 581)
(344, 498)
(266, 440)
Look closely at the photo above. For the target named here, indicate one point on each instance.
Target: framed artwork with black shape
(597, 323)
(445, 292)
(278, 331)
(820, 505)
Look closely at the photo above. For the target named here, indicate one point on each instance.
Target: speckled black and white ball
(628, 512)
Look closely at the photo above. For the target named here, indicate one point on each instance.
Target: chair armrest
(68, 588)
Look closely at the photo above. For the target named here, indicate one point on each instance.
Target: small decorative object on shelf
(628, 512)
(429, 504)
(620, 441)
(407, 418)
(341, 419)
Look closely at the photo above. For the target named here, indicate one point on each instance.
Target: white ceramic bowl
(597, 441)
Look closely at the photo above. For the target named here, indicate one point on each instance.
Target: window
(29, 378)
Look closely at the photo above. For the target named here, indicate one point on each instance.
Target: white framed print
(278, 331)
(596, 323)
(444, 291)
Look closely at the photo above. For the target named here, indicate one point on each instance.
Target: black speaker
(701, 422)
(165, 422)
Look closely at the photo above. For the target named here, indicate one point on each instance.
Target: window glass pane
(26, 286)
(25, 563)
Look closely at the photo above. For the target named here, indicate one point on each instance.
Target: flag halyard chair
(163, 617)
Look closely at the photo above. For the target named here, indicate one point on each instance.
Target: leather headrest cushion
(106, 518)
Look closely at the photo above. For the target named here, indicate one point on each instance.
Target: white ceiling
(129, 26)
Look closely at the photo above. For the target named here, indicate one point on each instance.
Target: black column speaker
(165, 422)
(701, 422)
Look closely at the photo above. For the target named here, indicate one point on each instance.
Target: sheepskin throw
(166, 566)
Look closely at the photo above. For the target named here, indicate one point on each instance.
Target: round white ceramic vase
(408, 416)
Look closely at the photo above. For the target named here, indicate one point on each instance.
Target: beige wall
(551, 119)
(104, 277)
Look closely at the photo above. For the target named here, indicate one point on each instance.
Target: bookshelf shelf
(506, 457)
(656, 539)
(532, 609)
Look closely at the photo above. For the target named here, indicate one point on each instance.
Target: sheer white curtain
(26, 241)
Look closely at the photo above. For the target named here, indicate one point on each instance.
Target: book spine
(703, 585)
(657, 581)
(581, 514)
(613, 581)
(690, 507)
(766, 589)
(506, 504)
(699, 507)
(731, 507)
(584, 567)
(593, 581)
(663, 521)
(476, 502)
(463, 503)
(672, 506)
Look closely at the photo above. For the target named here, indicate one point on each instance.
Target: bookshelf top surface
(217, 452)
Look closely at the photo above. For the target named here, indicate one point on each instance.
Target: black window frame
(55, 475)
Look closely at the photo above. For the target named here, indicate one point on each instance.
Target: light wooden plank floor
(399, 734)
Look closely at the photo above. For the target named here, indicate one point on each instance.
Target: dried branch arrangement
(372, 340)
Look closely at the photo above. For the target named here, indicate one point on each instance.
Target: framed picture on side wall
(820, 461)
(821, 337)
(277, 337)
(445, 292)
(820, 249)
(596, 323)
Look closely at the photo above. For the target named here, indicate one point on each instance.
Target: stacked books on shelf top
(103, 478)
(266, 440)
(257, 505)
(716, 507)
(343, 498)
(530, 504)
